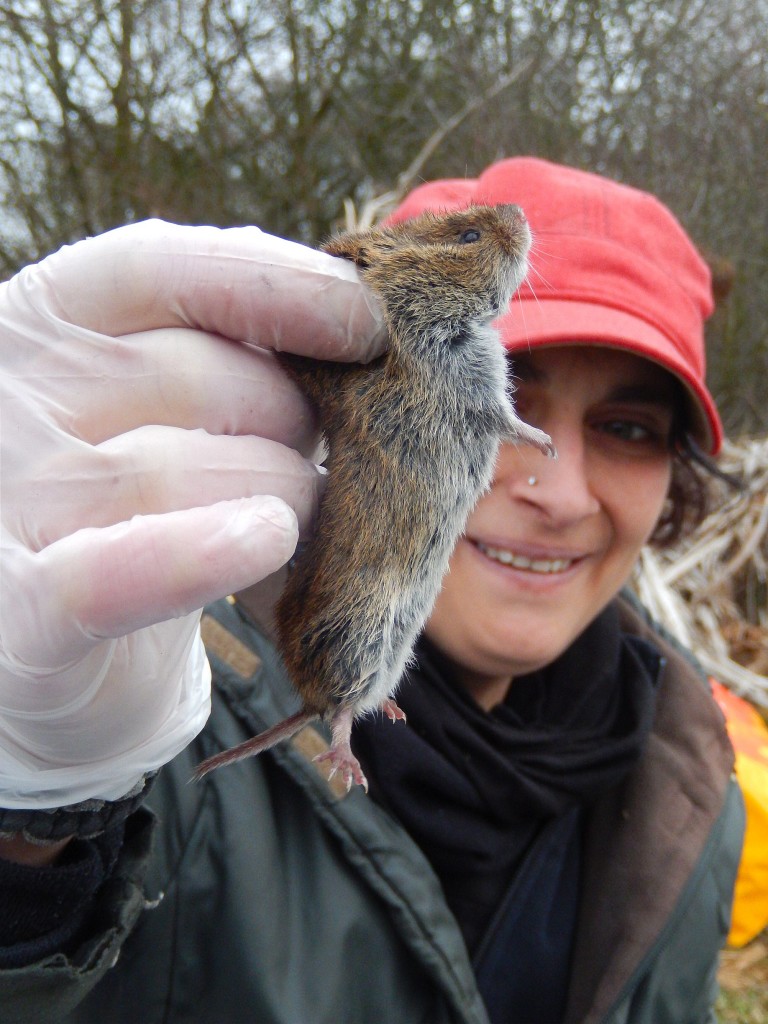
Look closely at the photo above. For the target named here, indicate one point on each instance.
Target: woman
(554, 835)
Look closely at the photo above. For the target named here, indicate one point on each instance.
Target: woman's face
(538, 561)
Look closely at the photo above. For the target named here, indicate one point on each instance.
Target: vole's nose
(513, 213)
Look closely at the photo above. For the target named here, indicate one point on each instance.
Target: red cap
(610, 265)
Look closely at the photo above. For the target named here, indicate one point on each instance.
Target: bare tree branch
(378, 207)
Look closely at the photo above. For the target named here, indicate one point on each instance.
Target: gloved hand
(149, 463)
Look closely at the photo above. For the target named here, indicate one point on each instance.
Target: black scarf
(473, 788)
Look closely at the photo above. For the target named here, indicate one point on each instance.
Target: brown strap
(228, 648)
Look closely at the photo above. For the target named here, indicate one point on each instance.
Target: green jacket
(267, 894)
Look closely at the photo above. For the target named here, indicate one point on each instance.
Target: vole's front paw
(520, 432)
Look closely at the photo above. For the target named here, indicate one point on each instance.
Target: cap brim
(533, 324)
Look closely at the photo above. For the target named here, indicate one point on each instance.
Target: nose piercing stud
(532, 481)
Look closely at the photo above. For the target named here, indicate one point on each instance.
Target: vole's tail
(282, 731)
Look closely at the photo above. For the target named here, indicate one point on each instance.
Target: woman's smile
(538, 562)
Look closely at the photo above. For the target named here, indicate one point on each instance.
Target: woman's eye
(627, 430)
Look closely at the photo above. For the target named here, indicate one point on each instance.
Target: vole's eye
(470, 235)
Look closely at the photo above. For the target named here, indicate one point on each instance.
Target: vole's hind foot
(339, 755)
(392, 711)
(342, 760)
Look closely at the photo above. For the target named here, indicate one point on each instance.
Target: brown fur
(412, 440)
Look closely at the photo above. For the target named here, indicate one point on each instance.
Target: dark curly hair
(692, 493)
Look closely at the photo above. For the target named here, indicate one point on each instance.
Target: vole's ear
(349, 248)
(360, 258)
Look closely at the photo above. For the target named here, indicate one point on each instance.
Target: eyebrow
(664, 393)
(647, 394)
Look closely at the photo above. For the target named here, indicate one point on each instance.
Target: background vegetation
(275, 111)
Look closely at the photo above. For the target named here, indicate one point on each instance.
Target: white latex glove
(148, 464)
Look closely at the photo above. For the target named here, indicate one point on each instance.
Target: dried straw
(710, 591)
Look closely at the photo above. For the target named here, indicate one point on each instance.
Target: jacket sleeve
(46, 990)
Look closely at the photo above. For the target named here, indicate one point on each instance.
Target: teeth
(521, 562)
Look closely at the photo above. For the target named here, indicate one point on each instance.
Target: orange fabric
(749, 735)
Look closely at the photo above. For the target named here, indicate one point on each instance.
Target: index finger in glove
(183, 378)
(239, 282)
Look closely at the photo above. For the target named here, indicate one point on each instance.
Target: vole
(412, 441)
